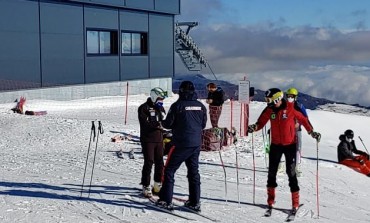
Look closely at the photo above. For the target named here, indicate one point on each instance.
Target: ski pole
(92, 132)
(100, 131)
(363, 145)
(223, 166)
(317, 178)
(237, 175)
(254, 171)
(265, 144)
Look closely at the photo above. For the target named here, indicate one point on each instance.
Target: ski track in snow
(43, 162)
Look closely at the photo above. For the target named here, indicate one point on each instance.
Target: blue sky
(318, 46)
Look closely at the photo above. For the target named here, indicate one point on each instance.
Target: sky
(320, 47)
(44, 158)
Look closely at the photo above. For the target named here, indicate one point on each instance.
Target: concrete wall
(62, 44)
(43, 43)
(165, 6)
(161, 54)
(101, 68)
(89, 90)
(134, 67)
(19, 44)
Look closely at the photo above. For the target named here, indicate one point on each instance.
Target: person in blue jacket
(187, 118)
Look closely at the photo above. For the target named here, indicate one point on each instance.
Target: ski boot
(194, 207)
(295, 200)
(147, 191)
(165, 205)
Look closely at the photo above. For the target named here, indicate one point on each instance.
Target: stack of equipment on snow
(214, 139)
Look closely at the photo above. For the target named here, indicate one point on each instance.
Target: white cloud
(349, 84)
(321, 61)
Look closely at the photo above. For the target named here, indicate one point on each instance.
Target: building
(49, 43)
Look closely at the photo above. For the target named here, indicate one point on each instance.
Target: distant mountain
(231, 90)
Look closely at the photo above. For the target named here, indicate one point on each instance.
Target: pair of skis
(152, 204)
(291, 215)
(187, 209)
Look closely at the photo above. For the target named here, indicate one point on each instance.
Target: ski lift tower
(185, 46)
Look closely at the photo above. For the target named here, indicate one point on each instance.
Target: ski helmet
(292, 91)
(349, 134)
(186, 87)
(156, 93)
(273, 96)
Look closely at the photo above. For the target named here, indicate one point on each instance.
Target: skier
(215, 100)
(187, 118)
(282, 118)
(346, 148)
(291, 96)
(151, 113)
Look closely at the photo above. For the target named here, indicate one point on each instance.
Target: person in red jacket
(282, 117)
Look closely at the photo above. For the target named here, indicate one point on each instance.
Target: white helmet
(156, 93)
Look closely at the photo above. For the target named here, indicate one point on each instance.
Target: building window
(102, 42)
(134, 43)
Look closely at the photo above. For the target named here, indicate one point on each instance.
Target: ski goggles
(290, 96)
(273, 101)
(161, 94)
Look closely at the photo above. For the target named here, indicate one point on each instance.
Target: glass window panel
(144, 44)
(92, 42)
(126, 42)
(104, 43)
(136, 39)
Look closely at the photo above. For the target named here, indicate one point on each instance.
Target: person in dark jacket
(151, 114)
(187, 118)
(347, 148)
(282, 117)
(215, 99)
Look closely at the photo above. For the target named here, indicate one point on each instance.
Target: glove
(365, 155)
(252, 128)
(316, 136)
(160, 127)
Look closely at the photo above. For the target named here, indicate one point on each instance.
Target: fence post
(126, 103)
(231, 118)
(246, 119)
(241, 119)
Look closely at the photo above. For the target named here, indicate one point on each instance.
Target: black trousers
(276, 152)
(153, 154)
(190, 156)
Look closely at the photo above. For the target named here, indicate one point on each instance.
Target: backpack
(214, 139)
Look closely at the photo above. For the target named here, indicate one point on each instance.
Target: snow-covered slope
(43, 161)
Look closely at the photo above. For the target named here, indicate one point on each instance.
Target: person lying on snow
(19, 108)
(347, 148)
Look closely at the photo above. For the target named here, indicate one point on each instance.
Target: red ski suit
(283, 119)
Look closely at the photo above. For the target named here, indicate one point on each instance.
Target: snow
(43, 161)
